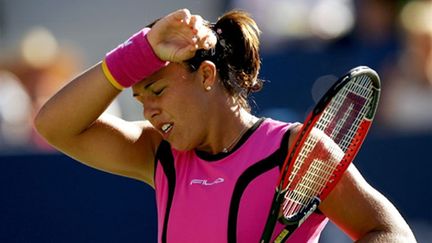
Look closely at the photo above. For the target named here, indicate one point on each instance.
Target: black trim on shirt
(274, 160)
(214, 157)
(166, 159)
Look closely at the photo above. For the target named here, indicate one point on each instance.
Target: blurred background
(306, 45)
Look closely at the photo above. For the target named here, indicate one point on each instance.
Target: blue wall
(52, 198)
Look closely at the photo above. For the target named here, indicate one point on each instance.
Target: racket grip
(272, 218)
(294, 222)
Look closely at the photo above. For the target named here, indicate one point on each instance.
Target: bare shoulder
(294, 130)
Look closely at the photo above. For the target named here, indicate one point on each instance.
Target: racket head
(327, 142)
(355, 73)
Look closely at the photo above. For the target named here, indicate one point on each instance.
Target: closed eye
(158, 92)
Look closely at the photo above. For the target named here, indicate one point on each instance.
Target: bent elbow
(42, 125)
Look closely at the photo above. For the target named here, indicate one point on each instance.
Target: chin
(180, 147)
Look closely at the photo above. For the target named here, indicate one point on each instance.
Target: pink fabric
(203, 191)
(133, 60)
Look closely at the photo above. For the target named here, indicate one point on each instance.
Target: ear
(207, 72)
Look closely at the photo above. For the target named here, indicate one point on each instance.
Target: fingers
(203, 37)
(209, 40)
(182, 15)
(179, 35)
(205, 40)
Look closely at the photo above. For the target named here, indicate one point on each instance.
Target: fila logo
(205, 182)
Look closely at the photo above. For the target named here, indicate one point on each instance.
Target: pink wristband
(131, 61)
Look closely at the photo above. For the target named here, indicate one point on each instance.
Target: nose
(150, 110)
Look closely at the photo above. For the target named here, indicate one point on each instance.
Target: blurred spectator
(311, 39)
(43, 67)
(306, 22)
(374, 40)
(36, 70)
(15, 113)
(407, 87)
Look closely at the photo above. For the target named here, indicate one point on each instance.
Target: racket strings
(357, 94)
(312, 182)
(303, 194)
(308, 178)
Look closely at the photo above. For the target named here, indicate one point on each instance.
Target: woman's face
(176, 104)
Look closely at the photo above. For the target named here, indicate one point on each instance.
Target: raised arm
(72, 120)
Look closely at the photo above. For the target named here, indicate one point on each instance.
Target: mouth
(166, 128)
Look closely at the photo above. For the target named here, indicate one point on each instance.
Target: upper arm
(71, 121)
(116, 146)
(361, 211)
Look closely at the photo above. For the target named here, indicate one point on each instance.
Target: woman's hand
(177, 36)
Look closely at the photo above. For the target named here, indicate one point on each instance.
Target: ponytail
(236, 55)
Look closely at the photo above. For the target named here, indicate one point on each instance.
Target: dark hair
(236, 55)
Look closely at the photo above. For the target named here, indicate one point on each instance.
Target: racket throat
(298, 218)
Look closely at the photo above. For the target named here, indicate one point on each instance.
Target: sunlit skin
(202, 119)
(176, 96)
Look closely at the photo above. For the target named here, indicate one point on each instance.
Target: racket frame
(294, 222)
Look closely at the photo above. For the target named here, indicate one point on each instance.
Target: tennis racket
(324, 147)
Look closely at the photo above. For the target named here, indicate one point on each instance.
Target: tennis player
(213, 164)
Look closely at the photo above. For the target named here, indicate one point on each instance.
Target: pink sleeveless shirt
(225, 197)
